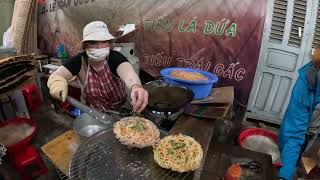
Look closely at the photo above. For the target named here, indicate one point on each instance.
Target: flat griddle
(102, 156)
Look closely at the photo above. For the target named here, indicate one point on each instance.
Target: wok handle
(161, 82)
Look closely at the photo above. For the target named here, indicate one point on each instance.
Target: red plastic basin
(258, 131)
(20, 145)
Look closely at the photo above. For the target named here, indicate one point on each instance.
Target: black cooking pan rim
(152, 85)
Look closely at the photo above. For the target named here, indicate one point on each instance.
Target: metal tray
(102, 156)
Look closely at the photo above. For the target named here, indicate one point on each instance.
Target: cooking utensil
(91, 121)
(164, 97)
(102, 117)
(166, 102)
(86, 125)
(102, 156)
(123, 113)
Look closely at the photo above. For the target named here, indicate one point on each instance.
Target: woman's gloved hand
(139, 97)
(58, 87)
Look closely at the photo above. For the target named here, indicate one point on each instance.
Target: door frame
(308, 33)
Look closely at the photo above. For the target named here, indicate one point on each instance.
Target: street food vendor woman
(102, 72)
(302, 115)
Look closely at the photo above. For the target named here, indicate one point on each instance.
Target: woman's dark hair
(83, 45)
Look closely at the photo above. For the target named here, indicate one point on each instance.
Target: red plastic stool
(29, 164)
(32, 96)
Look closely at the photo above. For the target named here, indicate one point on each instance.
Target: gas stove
(166, 102)
(164, 120)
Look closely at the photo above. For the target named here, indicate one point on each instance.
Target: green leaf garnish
(138, 126)
(177, 145)
(169, 151)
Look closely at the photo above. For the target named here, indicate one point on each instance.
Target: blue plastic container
(201, 89)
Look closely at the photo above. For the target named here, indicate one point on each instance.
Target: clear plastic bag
(8, 38)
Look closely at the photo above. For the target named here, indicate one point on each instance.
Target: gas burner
(166, 102)
(161, 113)
(163, 119)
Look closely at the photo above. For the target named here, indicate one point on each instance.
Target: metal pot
(86, 125)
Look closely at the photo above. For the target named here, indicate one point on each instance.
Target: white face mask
(98, 54)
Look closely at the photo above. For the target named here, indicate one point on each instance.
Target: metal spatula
(104, 118)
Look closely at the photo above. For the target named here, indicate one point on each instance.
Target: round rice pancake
(179, 153)
(136, 132)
